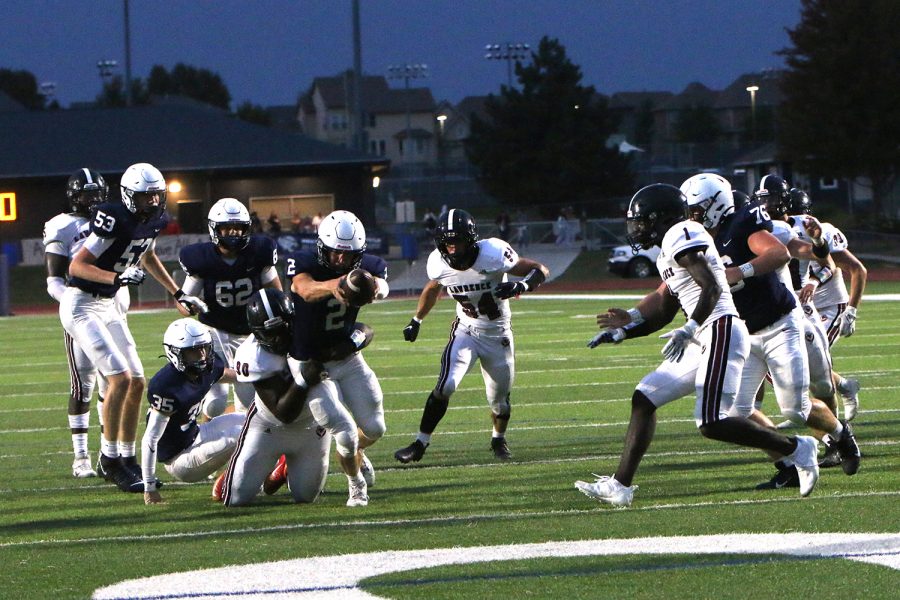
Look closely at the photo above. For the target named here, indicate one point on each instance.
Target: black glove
(508, 289)
(193, 304)
(411, 331)
(607, 336)
(131, 276)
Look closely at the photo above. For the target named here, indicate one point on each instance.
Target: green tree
(546, 142)
(113, 93)
(253, 113)
(22, 87)
(184, 80)
(697, 124)
(644, 127)
(840, 113)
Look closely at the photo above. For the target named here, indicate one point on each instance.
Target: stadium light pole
(510, 52)
(753, 89)
(406, 72)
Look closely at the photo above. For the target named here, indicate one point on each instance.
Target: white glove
(133, 275)
(679, 340)
(193, 304)
(607, 336)
(848, 322)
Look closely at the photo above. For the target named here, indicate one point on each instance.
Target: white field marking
(536, 297)
(340, 576)
(467, 466)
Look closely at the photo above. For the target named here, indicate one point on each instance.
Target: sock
(836, 434)
(109, 449)
(435, 408)
(126, 449)
(357, 479)
(79, 425)
(496, 434)
(842, 385)
(783, 464)
(425, 438)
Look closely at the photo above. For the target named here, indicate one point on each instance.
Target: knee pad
(797, 417)
(347, 441)
(374, 428)
(501, 409)
(216, 400)
(821, 389)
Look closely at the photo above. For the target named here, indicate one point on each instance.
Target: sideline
(340, 576)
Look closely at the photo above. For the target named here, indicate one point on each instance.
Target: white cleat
(607, 489)
(850, 396)
(358, 494)
(806, 459)
(786, 425)
(82, 469)
(367, 471)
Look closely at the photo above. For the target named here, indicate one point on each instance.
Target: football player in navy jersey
(326, 329)
(752, 255)
(190, 452)
(227, 271)
(115, 254)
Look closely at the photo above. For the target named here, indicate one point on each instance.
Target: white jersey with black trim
(785, 233)
(685, 236)
(833, 291)
(65, 233)
(473, 289)
(253, 363)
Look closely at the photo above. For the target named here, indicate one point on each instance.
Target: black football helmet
(740, 199)
(270, 314)
(457, 228)
(773, 193)
(652, 212)
(84, 190)
(800, 203)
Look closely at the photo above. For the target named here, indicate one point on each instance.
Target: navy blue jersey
(763, 299)
(174, 395)
(131, 238)
(227, 287)
(319, 326)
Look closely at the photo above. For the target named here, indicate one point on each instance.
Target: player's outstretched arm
(156, 425)
(311, 290)
(770, 253)
(83, 267)
(533, 273)
(858, 275)
(427, 299)
(652, 313)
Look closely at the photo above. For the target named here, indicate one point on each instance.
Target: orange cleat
(277, 478)
(218, 489)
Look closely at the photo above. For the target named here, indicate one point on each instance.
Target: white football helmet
(709, 197)
(187, 334)
(342, 241)
(229, 211)
(143, 191)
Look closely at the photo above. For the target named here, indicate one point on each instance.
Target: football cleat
(358, 494)
(848, 449)
(367, 470)
(117, 472)
(832, 456)
(786, 425)
(277, 478)
(412, 453)
(500, 448)
(784, 478)
(132, 465)
(81, 467)
(607, 489)
(850, 396)
(218, 488)
(805, 458)
(101, 469)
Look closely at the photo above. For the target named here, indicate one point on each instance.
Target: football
(358, 287)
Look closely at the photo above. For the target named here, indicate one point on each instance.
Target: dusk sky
(268, 51)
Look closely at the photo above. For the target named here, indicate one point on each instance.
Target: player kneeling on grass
(189, 452)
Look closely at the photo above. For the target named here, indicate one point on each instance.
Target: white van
(623, 261)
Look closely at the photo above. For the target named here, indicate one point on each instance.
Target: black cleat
(104, 466)
(500, 448)
(412, 453)
(832, 456)
(848, 450)
(125, 479)
(784, 478)
(132, 465)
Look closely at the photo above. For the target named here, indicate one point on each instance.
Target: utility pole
(358, 118)
(129, 100)
(407, 72)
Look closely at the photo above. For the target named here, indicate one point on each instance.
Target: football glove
(848, 322)
(411, 331)
(679, 340)
(131, 276)
(509, 289)
(192, 304)
(607, 336)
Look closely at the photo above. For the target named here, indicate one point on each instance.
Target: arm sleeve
(96, 245)
(268, 275)
(156, 425)
(56, 287)
(192, 285)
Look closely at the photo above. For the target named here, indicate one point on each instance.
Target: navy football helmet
(270, 314)
(740, 199)
(652, 212)
(457, 228)
(773, 193)
(85, 189)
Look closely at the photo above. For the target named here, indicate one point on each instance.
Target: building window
(377, 147)
(370, 118)
(382, 148)
(828, 184)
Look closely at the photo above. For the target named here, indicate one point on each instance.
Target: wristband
(821, 250)
(823, 275)
(691, 326)
(746, 270)
(636, 317)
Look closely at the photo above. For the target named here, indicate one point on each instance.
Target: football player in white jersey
(704, 356)
(286, 415)
(474, 273)
(836, 306)
(64, 235)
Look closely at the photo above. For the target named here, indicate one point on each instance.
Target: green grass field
(64, 538)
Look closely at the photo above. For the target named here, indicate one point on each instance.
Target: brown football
(358, 287)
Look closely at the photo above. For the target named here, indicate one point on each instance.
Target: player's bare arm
(151, 264)
(848, 263)
(656, 309)
(696, 264)
(802, 250)
(770, 253)
(83, 266)
(312, 291)
(427, 300)
(284, 396)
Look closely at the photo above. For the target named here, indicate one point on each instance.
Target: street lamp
(407, 72)
(509, 52)
(753, 89)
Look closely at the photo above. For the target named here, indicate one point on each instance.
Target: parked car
(623, 261)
